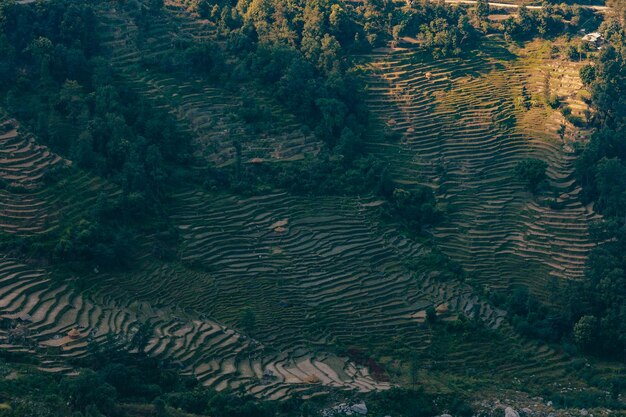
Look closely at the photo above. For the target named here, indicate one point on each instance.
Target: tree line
(599, 303)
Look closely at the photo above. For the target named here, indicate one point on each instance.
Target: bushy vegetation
(57, 84)
(598, 303)
(115, 383)
(549, 21)
(532, 172)
(317, 27)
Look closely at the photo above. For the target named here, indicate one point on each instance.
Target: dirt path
(516, 6)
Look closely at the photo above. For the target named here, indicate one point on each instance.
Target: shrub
(588, 74)
(431, 314)
(532, 172)
(553, 101)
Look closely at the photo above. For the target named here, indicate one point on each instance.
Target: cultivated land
(462, 131)
(209, 112)
(319, 273)
(28, 206)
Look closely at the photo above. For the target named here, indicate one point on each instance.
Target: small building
(594, 38)
(442, 309)
(74, 333)
(25, 317)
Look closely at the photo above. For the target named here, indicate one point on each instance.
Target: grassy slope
(462, 133)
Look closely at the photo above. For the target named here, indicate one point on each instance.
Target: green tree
(588, 74)
(585, 331)
(141, 337)
(156, 5)
(159, 408)
(333, 113)
(89, 389)
(41, 50)
(610, 183)
(532, 172)
(72, 101)
(481, 12)
(431, 315)
(482, 9)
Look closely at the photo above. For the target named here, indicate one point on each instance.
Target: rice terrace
(230, 208)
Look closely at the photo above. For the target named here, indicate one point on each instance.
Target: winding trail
(517, 6)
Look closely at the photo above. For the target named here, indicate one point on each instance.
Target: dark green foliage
(572, 53)
(585, 333)
(609, 86)
(532, 319)
(532, 172)
(416, 403)
(431, 315)
(446, 268)
(444, 39)
(598, 317)
(588, 74)
(93, 242)
(553, 101)
(66, 95)
(416, 207)
(482, 10)
(321, 176)
(89, 389)
(141, 337)
(205, 58)
(551, 20)
(441, 31)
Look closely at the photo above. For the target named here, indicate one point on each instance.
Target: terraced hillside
(210, 112)
(463, 128)
(28, 204)
(319, 274)
(55, 322)
(329, 284)
(316, 272)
